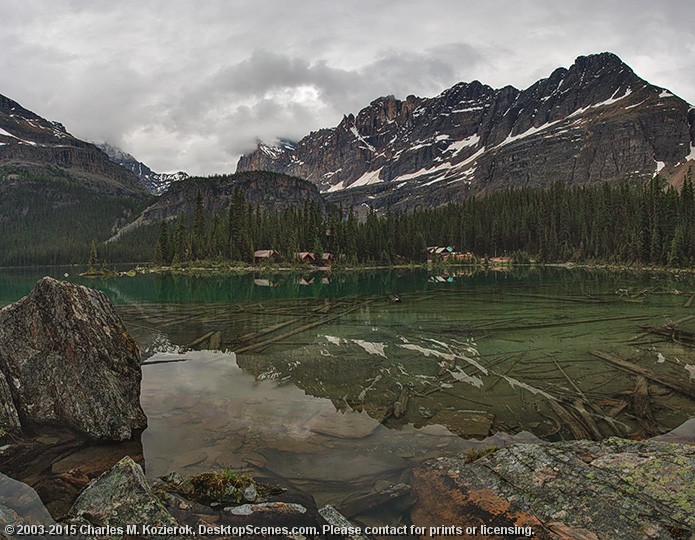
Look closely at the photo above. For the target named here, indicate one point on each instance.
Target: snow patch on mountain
(367, 179)
(360, 138)
(468, 142)
(6, 133)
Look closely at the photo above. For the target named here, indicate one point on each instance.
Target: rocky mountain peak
(594, 121)
(599, 63)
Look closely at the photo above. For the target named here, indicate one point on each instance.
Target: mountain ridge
(156, 183)
(594, 121)
(31, 142)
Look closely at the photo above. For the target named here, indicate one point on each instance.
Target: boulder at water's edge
(66, 360)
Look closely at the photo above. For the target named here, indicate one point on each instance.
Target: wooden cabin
(326, 259)
(439, 253)
(306, 257)
(266, 256)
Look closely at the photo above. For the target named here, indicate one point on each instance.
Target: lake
(335, 383)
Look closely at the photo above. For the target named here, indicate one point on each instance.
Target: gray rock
(340, 522)
(20, 503)
(68, 361)
(9, 419)
(119, 497)
(276, 508)
(250, 493)
(616, 489)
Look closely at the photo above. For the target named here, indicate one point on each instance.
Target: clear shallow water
(329, 385)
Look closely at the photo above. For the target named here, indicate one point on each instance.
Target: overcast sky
(190, 85)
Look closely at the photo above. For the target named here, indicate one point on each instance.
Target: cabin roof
(264, 253)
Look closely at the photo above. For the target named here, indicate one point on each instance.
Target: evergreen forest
(650, 224)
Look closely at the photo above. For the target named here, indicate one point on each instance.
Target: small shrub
(474, 454)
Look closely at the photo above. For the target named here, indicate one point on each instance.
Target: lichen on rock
(616, 488)
(119, 497)
(68, 361)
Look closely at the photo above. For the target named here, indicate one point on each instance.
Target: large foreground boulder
(617, 489)
(66, 360)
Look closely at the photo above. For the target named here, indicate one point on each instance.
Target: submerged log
(579, 431)
(510, 367)
(168, 361)
(568, 323)
(676, 335)
(586, 416)
(401, 405)
(587, 420)
(200, 340)
(642, 408)
(215, 341)
(579, 299)
(325, 320)
(684, 388)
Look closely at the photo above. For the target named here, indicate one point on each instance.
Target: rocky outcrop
(596, 121)
(68, 361)
(616, 489)
(20, 505)
(9, 418)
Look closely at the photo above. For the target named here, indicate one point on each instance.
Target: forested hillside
(612, 222)
(49, 217)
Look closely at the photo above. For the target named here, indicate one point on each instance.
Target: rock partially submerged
(66, 360)
(616, 489)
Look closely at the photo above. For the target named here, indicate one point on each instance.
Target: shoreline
(228, 268)
(225, 269)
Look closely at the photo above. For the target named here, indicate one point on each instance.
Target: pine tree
(93, 257)
(676, 252)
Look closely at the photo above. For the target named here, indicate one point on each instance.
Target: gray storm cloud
(185, 85)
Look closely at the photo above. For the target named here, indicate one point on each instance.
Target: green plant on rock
(223, 486)
(474, 454)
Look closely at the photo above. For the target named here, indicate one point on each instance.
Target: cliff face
(30, 141)
(596, 121)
